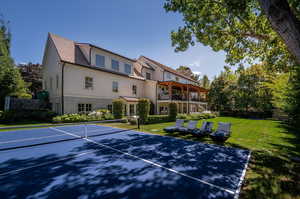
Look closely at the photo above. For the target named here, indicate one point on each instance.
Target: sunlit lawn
(271, 173)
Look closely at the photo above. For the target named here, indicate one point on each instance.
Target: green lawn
(270, 173)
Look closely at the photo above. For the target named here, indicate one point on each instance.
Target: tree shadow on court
(103, 173)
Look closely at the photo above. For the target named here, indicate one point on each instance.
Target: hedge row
(247, 114)
(68, 118)
(26, 116)
(196, 116)
(153, 119)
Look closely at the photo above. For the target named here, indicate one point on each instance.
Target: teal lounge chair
(178, 124)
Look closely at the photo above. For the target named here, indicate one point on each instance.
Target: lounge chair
(205, 129)
(222, 133)
(178, 124)
(191, 126)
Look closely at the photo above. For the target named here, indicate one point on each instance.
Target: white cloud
(195, 64)
(197, 72)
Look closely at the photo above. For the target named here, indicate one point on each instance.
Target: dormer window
(115, 65)
(100, 61)
(128, 68)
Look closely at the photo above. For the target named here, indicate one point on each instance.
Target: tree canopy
(11, 82)
(238, 27)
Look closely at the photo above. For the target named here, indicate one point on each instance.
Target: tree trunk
(285, 23)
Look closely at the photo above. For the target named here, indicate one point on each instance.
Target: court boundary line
(238, 191)
(65, 158)
(28, 139)
(158, 165)
(58, 141)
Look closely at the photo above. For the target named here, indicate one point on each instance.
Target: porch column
(170, 91)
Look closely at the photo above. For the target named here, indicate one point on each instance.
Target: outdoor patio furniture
(190, 127)
(205, 129)
(178, 124)
(222, 133)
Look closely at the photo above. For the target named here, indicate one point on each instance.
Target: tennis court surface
(93, 161)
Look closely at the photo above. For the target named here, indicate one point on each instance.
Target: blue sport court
(92, 161)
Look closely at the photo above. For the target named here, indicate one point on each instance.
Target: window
(57, 81)
(88, 83)
(51, 82)
(115, 65)
(100, 61)
(177, 79)
(88, 107)
(134, 89)
(131, 109)
(148, 75)
(115, 86)
(128, 68)
(84, 108)
(169, 75)
(80, 108)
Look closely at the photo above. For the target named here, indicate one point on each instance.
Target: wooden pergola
(182, 86)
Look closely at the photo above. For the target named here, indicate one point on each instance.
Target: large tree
(185, 70)
(247, 30)
(11, 82)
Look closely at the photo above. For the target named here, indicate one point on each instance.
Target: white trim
(155, 164)
(237, 192)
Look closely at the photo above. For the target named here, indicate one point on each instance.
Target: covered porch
(172, 90)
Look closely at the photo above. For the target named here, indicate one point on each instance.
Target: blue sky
(129, 27)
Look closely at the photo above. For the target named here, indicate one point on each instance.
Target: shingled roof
(73, 52)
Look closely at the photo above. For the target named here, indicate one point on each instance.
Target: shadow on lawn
(273, 174)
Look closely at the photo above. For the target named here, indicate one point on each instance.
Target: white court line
(237, 193)
(158, 165)
(70, 156)
(27, 139)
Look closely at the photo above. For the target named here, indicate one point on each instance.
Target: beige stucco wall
(101, 95)
(51, 69)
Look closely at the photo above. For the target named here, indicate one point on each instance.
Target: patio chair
(222, 133)
(178, 124)
(205, 129)
(190, 127)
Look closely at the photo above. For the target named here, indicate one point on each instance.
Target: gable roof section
(169, 69)
(79, 53)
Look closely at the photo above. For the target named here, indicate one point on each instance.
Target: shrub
(182, 116)
(132, 121)
(172, 111)
(153, 119)
(27, 116)
(118, 108)
(196, 116)
(108, 116)
(71, 118)
(143, 109)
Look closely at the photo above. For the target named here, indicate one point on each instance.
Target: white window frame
(112, 67)
(127, 65)
(103, 60)
(115, 90)
(88, 82)
(134, 89)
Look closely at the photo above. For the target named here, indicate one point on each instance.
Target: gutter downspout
(62, 88)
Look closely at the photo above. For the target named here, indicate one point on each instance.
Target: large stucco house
(81, 77)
